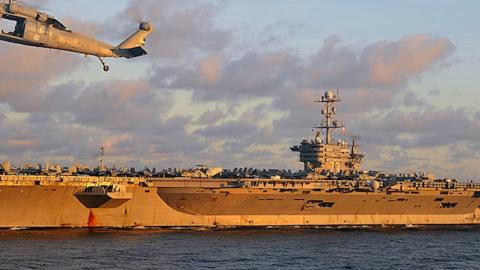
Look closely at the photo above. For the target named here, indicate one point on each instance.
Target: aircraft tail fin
(133, 45)
(130, 53)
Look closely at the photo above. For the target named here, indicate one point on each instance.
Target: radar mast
(101, 155)
(328, 124)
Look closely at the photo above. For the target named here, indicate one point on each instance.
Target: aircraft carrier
(331, 190)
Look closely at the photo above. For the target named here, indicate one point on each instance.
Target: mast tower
(328, 124)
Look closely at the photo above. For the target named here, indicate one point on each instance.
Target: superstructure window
(438, 199)
(448, 204)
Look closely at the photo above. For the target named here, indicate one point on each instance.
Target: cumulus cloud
(477, 116)
(130, 118)
(293, 82)
(254, 74)
(385, 64)
(181, 27)
(392, 63)
(248, 106)
(24, 70)
(211, 116)
(427, 128)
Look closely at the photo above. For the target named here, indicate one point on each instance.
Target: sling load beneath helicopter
(38, 29)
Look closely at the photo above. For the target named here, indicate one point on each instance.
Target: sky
(232, 83)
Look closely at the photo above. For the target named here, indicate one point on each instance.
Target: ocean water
(419, 248)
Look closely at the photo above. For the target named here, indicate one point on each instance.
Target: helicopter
(39, 29)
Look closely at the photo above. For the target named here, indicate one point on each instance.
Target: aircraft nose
(145, 26)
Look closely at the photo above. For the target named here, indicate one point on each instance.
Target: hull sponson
(190, 203)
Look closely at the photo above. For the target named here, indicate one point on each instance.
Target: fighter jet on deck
(35, 28)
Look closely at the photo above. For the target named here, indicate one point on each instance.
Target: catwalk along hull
(208, 203)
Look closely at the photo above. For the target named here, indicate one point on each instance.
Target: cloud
(211, 116)
(25, 70)
(210, 69)
(68, 121)
(182, 28)
(248, 105)
(232, 129)
(433, 92)
(428, 128)
(254, 74)
(385, 64)
(113, 141)
(27, 73)
(115, 105)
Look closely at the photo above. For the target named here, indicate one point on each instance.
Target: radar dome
(329, 95)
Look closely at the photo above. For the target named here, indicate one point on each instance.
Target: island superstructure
(332, 190)
(326, 154)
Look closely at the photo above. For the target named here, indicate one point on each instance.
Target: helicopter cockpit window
(15, 26)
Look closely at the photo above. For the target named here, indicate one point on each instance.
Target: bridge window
(438, 199)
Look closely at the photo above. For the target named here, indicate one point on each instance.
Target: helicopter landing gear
(106, 68)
